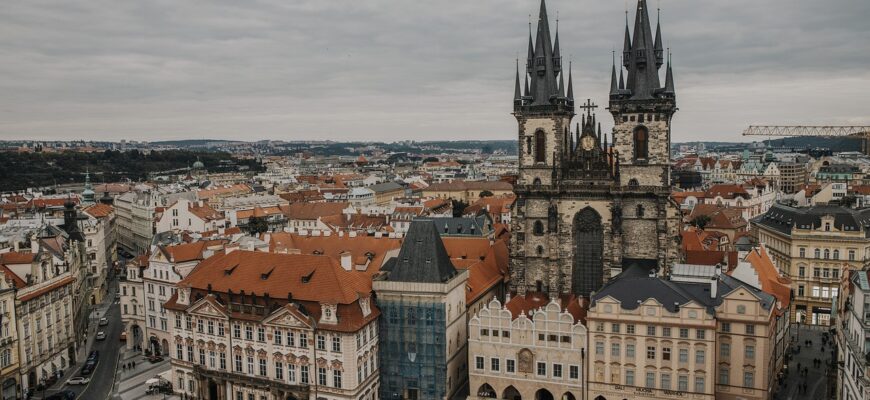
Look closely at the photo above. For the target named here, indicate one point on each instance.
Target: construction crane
(862, 132)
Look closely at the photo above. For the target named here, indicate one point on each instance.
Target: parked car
(89, 367)
(64, 395)
(104, 321)
(155, 359)
(79, 380)
(101, 335)
(94, 355)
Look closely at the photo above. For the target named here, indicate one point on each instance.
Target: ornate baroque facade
(586, 207)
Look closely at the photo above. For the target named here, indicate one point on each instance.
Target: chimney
(714, 286)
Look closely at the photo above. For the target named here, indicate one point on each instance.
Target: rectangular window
(599, 348)
(666, 332)
(336, 378)
(750, 352)
(303, 340)
(557, 370)
(574, 372)
(666, 353)
(237, 331)
(336, 344)
(629, 351)
(478, 362)
(724, 375)
(748, 379)
(666, 381)
(650, 380)
(801, 290)
(700, 334)
(199, 325)
(629, 329)
(278, 337)
(650, 330)
(726, 327)
(201, 356)
(494, 364)
(700, 356)
(291, 373)
(179, 351)
(684, 333)
(684, 355)
(321, 342)
(262, 364)
(614, 350)
(177, 319)
(279, 370)
(210, 327)
(614, 328)
(223, 360)
(261, 334)
(699, 384)
(484, 332)
(249, 333)
(629, 377)
(750, 329)
(542, 369)
(724, 350)
(510, 366)
(321, 376)
(303, 374)
(291, 339)
(650, 353)
(683, 383)
(238, 363)
(190, 353)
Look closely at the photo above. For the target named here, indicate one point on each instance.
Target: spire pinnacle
(570, 82)
(658, 42)
(669, 77)
(614, 89)
(517, 95)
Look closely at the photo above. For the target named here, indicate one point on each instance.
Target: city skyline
(386, 71)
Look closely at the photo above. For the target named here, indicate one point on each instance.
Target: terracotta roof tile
(99, 210)
(312, 211)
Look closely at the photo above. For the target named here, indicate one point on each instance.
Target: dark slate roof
(479, 225)
(385, 187)
(633, 287)
(783, 218)
(422, 257)
(839, 169)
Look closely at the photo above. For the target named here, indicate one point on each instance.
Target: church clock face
(587, 142)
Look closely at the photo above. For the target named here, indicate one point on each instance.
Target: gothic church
(588, 207)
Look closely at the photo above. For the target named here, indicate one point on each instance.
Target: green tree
(257, 225)
(485, 193)
(700, 221)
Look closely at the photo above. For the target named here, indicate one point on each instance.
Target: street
(816, 378)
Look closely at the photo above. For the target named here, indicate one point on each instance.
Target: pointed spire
(518, 98)
(562, 85)
(544, 71)
(570, 83)
(658, 43)
(626, 45)
(531, 57)
(642, 82)
(621, 80)
(557, 54)
(669, 77)
(614, 88)
(528, 92)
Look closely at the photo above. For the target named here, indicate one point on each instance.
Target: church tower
(588, 207)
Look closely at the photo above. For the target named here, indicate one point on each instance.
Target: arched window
(539, 228)
(836, 254)
(640, 211)
(632, 183)
(641, 142)
(827, 254)
(818, 253)
(540, 147)
(528, 145)
(540, 250)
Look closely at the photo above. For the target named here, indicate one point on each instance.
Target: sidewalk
(130, 382)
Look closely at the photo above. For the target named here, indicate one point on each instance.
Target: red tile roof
(312, 211)
(99, 210)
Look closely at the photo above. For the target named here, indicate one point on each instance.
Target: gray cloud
(391, 70)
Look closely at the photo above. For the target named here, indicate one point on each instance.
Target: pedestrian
(134, 364)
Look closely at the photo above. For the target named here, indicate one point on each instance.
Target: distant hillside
(835, 144)
(188, 142)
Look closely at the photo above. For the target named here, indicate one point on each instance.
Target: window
(291, 373)
(538, 228)
(639, 211)
(629, 351)
(801, 290)
(237, 331)
(741, 309)
(484, 332)
(724, 375)
(700, 334)
(336, 378)
(250, 363)
(629, 329)
(291, 339)
(817, 253)
(190, 353)
(574, 372)
(249, 333)
(177, 319)
(599, 348)
(303, 374)
(749, 379)
(816, 291)
(321, 342)
(542, 369)
(650, 353)
(726, 327)
(641, 137)
(540, 147)
(279, 370)
(666, 353)
(683, 383)
(699, 384)
(629, 377)
(651, 330)
(803, 252)
(836, 254)
(557, 370)
(700, 355)
(261, 334)
(303, 340)
(223, 360)
(750, 352)
(614, 350)
(851, 255)
(750, 329)
(614, 328)
(201, 356)
(278, 337)
(238, 363)
(666, 381)
(494, 364)
(725, 350)
(835, 273)
(510, 366)
(802, 271)
(684, 355)
(478, 362)
(321, 376)
(179, 351)
(684, 333)
(210, 327)
(336, 344)
(650, 380)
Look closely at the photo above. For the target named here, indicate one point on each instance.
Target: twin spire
(544, 77)
(642, 57)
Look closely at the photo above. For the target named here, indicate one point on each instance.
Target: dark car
(94, 355)
(64, 395)
(89, 367)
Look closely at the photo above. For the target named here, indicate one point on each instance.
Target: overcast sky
(398, 69)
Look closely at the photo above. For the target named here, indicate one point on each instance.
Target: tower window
(539, 228)
(540, 147)
(640, 211)
(540, 250)
(528, 145)
(641, 142)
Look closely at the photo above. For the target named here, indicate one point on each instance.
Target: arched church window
(632, 183)
(640, 211)
(529, 145)
(540, 147)
(641, 143)
(539, 228)
(540, 250)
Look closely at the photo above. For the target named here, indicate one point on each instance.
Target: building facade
(579, 198)
(813, 246)
(134, 213)
(423, 340)
(531, 347)
(9, 377)
(310, 333)
(132, 291)
(853, 337)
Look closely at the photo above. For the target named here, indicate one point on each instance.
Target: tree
(257, 225)
(700, 221)
(485, 193)
(458, 207)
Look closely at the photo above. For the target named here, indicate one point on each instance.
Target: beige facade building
(9, 378)
(532, 347)
(134, 215)
(700, 334)
(814, 246)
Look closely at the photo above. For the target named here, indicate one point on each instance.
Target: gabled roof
(726, 191)
(311, 211)
(99, 210)
(422, 257)
(720, 217)
(783, 218)
(771, 281)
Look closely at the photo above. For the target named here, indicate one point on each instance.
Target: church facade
(588, 206)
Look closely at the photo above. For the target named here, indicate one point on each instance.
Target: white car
(104, 322)
(79, 380)
(101, 335)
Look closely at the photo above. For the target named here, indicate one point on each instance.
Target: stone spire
(544, 67)
(614, 85)
(658, 46)
(643, 77)
(518, 97)
(570, 84)
(669, 78)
